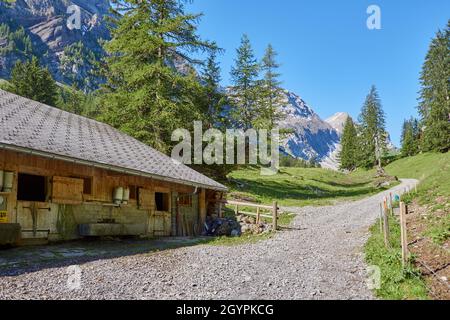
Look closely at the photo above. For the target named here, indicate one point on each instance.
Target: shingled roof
(30, 126)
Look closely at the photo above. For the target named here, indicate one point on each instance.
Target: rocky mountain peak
(312, 137)
(296, 106)
(338, 120)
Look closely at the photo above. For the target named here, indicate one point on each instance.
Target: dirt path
(320, 258)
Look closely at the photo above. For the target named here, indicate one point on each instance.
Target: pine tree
(349, 141)
(76, 101)
(373, 132)
(30, 80)
(270, 94)
(410, 137)
(214, 99)
(243, 94)
(407, 139)
(434, 105)
(147, 95)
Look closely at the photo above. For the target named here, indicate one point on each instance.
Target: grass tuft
(396, 283)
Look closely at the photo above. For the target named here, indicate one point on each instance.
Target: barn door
(162, 224)
(34, 212)
(187, 215)
(37, 219)
(158, 205)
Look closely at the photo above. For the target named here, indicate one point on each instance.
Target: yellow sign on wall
(3, 216)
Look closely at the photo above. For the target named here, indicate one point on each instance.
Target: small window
(31, 188)
(87, 185)
(134, 192)
(162, 201)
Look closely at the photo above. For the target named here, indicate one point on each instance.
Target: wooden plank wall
(103, 182)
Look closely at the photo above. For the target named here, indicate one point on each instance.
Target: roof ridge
(59, 132)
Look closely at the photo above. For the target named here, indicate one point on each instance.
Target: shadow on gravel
(286, 228)
(17, 261)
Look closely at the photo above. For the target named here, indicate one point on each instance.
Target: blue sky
(329, 57)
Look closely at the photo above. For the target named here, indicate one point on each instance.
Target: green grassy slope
(420, 166)
(433, 171)
(300, 186)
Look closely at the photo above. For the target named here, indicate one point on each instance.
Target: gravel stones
(316, 259)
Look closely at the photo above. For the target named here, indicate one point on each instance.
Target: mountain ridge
(312, 137)
(70, 55)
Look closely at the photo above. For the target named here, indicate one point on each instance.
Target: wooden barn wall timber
(61, 220)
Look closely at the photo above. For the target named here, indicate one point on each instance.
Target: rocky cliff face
(337, 122)
(312, 137)
(69, 54)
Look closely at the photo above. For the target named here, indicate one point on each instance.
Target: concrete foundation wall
(60, 222)
(9, 234)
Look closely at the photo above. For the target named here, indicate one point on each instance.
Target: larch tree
(151, 88)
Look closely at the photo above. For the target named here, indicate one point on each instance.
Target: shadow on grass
(343, 185)
(291, 191)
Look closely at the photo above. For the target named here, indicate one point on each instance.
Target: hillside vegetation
(432, 169)
(428, 222)
(302, 186)
(433, 194)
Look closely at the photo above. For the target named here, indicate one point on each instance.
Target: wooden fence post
(275, 216)
(258, 216)
(381, 218)
(403, 232)
(390, 204)
(236, 210)
(386, 225)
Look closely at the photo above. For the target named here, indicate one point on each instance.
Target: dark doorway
(162, 201)
(31, 188)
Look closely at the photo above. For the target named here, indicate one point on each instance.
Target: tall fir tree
(244, 92)
(349, 142)
(213, 102)
(30, 80)
(434, 104)
(214, 99)
(410, 138)
(373, 133)
(147, 95)
(271, 97)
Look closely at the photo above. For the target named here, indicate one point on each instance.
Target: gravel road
(319, 258)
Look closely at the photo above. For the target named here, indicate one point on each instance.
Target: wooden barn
(64, 177)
